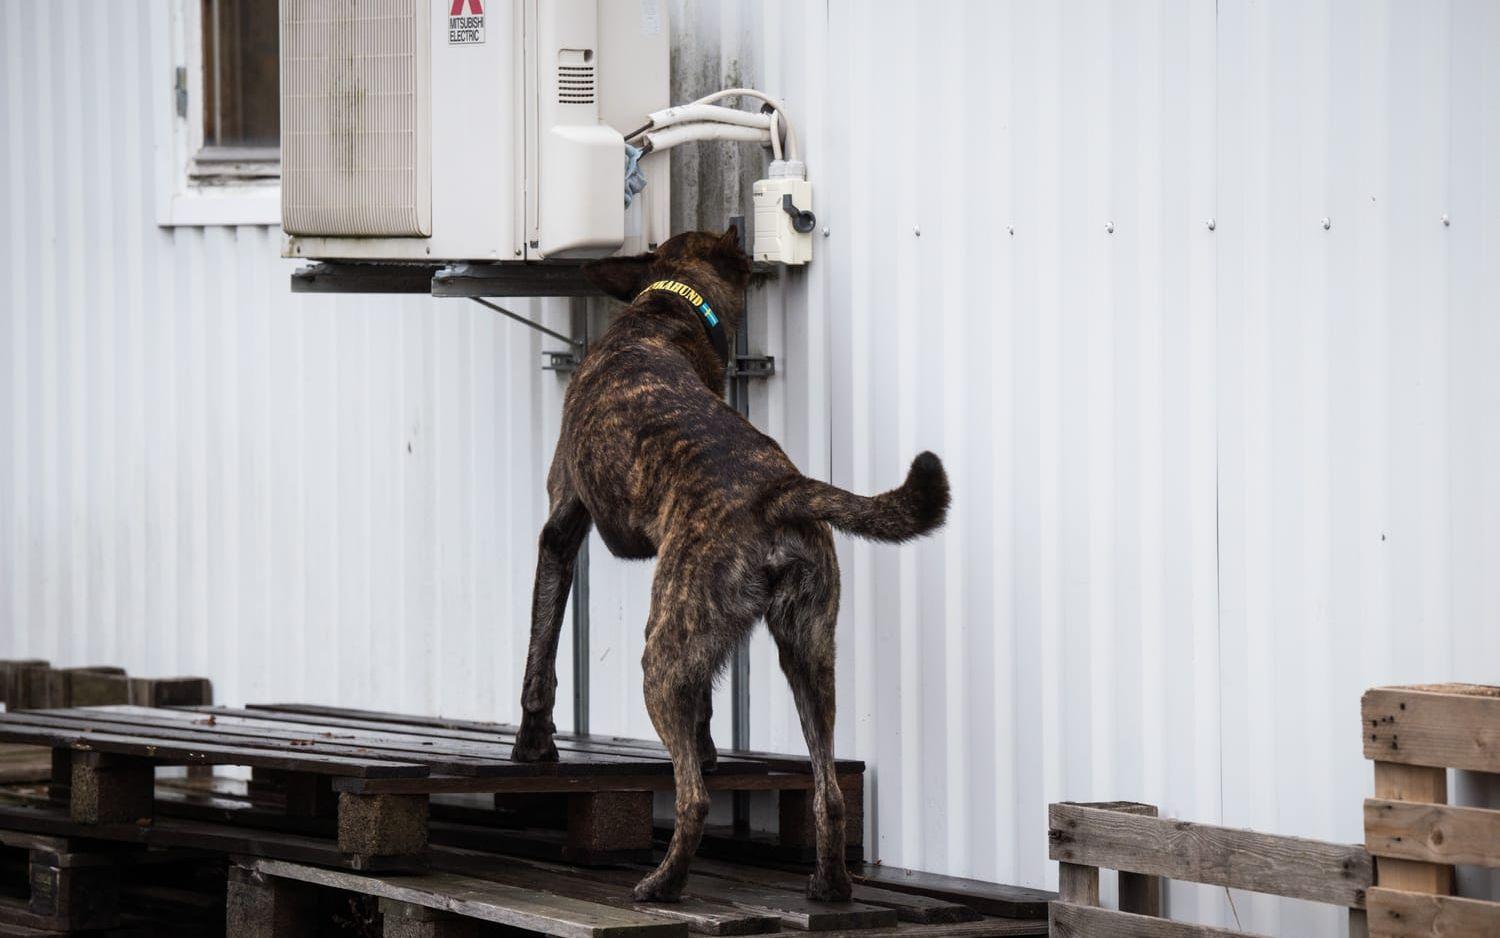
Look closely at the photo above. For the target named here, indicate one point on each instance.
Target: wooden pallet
(465, 888)
(1415, 735)
(52, 884)
(1144, 848)
(373, 774)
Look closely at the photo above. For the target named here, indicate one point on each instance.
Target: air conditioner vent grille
(354, 103)
(575, 83)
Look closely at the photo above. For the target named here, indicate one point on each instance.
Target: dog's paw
(533, 747)
(534, 741)
(658, 887)
(541, 753)
(835, 888)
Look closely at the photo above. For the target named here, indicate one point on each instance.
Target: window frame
(198, 185)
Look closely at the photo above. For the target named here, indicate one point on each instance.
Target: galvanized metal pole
(579, 310)
(739, 675)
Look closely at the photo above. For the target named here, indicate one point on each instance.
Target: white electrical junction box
(469, 130)
(783, 202)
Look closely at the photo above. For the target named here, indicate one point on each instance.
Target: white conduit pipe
(791, 135)
(688, 113)
(665, 139)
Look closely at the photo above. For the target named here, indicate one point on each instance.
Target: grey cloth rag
(635, 180)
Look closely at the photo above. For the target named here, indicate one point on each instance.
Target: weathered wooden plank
(1082, 921)
(575, 780)
(25, 764)
(171, 691)
(1293, 867)
(459, 758)
(779, 761)
(791, 906)
(988, 928)
(702, 916)
(581, 749)
(394, 736)
(488, 901)
(795, 909)
(1396, 781)
(1397, 914)
(1442, 725)
(1432, 833)
(11, 729)
(404, 920)
(909, 907)
(189, 834)
(1017, 902)
(87, 722)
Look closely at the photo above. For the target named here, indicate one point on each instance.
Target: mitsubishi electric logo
(466, 30)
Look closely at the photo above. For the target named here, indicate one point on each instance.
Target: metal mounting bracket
(752, 366)
(560, 360)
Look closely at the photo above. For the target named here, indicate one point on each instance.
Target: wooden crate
(1145, 849)
(1414, 735)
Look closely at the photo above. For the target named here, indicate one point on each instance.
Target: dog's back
(649, 447)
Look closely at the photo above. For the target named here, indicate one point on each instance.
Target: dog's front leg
(562, 535)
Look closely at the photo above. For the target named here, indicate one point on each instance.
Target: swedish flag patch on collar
(711, 321)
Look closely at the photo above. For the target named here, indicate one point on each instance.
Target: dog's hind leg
(674, 691)
(566, 527)
(801, 618)
(687, 631)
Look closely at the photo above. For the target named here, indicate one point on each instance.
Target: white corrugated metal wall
(1210, 482)
(208, 474)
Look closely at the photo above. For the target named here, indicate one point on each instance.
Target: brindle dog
(651, 454)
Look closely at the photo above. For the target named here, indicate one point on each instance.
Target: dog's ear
(729, 256)
(620, 277)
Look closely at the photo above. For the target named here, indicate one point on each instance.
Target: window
(220, 144)
(241, 112)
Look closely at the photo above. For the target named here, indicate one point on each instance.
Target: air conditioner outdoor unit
(468, 130)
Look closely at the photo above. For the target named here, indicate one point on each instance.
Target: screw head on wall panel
(1327, 223)
(1211, 224)
(1109, 227)
(1010, 230)
(825, 231)
(917, 231)
(1446, 221)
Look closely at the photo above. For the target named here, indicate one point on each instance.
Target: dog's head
(712, 264)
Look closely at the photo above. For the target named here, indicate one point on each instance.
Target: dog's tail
(918, 507)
